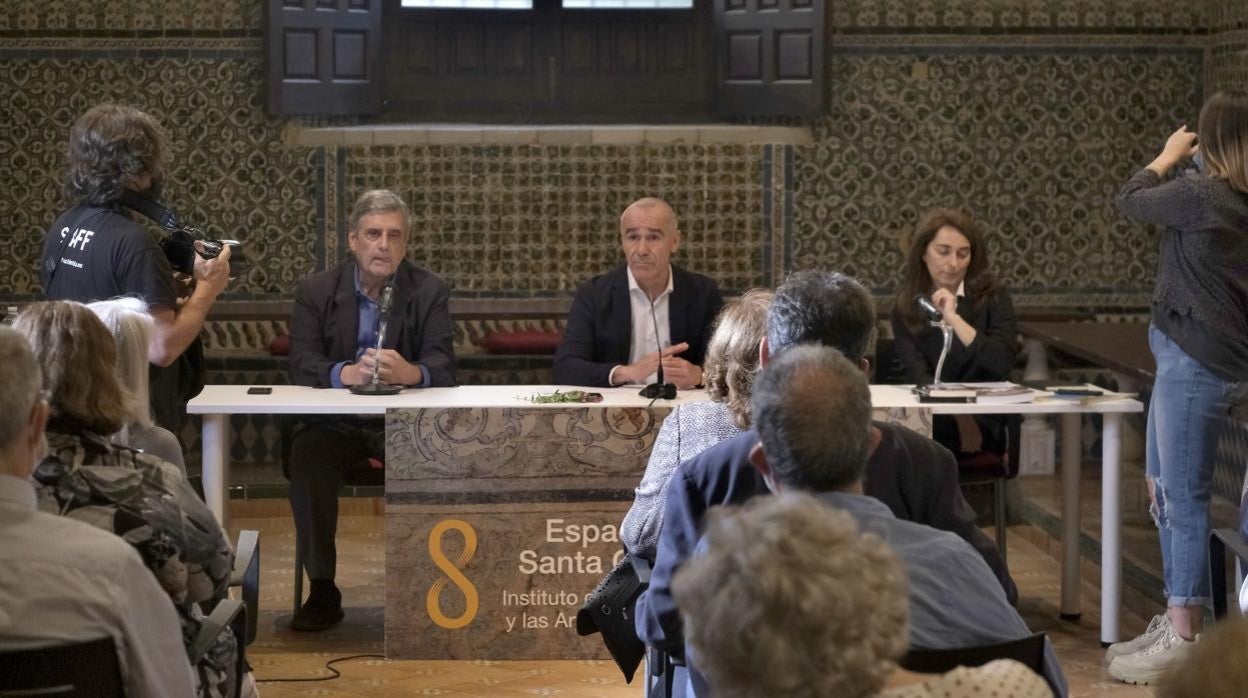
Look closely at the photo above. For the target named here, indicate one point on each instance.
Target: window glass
(628, 4)
(471, 4)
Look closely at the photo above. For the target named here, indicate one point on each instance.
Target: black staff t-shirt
(99, 253)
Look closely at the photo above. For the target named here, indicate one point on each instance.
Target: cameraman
(98, 250)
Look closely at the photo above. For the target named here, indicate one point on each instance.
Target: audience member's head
(23, 414)
(821, 307)
(79, 362)
(1214, 667)
(732, 353)
(791, 600)
(1223, 137)
(649, 235)
(947, 250)
(812, 410)
(132, 329)
(113, 148)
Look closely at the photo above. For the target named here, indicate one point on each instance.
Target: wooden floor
(279, 653)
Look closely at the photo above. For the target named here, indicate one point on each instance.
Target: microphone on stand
(375, 386)
(937, 319)
(659, 388)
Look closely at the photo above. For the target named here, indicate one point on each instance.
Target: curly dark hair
(980, 282)
(111, 146)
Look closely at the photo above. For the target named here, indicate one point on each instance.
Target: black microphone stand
(659, 388)
(375, 386)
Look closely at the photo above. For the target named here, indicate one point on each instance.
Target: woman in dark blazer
(948, 263)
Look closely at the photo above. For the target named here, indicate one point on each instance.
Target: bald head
(649, 236)
(654, 205)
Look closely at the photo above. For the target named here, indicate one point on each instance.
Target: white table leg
(1072, 456)
(216, 463)
(1111, 528)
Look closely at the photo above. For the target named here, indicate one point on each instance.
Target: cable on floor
(328, 665)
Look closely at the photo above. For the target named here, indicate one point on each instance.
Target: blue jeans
(1186, 415)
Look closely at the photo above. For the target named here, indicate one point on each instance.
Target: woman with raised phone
(1199, 336)
(948, 264)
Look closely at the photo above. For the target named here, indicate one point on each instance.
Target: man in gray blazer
(333, 333)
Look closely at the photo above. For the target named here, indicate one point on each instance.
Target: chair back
(81, 670)
(1028, 651)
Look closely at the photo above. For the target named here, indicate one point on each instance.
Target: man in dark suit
(626, 322)
(333, 333)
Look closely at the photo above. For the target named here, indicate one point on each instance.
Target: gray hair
(812, 409)
(791, 600)
(379, 201)
(127, 319)
(824, 307)
(21, 378)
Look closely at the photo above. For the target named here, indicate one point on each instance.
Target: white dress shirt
(64, 581)
(644, 339)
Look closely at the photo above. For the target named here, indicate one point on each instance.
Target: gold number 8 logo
(451, 569)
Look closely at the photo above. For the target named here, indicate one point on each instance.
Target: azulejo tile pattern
(528, 220)
(137, 15)
(1035, 145)
(979, 15)
(231, 174)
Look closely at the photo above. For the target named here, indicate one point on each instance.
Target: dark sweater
(1201, 298)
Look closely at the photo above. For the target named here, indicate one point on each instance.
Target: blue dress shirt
(366, 337)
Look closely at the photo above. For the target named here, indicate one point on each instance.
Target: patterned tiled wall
(530, 220)
(1045, 15)
(1029, 113)
(1034, 144)
(1227, 63)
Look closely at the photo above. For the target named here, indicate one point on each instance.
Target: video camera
(179, 245)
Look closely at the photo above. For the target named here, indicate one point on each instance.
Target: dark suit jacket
(916, 477)
(599, 333)
(325, 324)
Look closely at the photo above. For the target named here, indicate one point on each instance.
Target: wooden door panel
(322, 56)
(770, 57)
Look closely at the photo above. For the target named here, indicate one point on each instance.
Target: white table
(216, 402)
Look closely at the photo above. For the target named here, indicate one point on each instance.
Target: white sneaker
(1147, 665)
(1156, 627)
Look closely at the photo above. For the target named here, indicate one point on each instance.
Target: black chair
(980, 468)
(1220, 540)
(228, 613)
(246, 577)
(1028, 651)
(996, 468)
(90, 669)
(660, 666)
(81, 670)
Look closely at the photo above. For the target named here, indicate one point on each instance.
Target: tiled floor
(279, 653)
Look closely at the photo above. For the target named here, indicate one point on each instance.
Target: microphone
(937, 319)
(928, 309)
(375, 386)
(659, 388)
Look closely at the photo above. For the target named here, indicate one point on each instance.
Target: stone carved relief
(519, 442)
